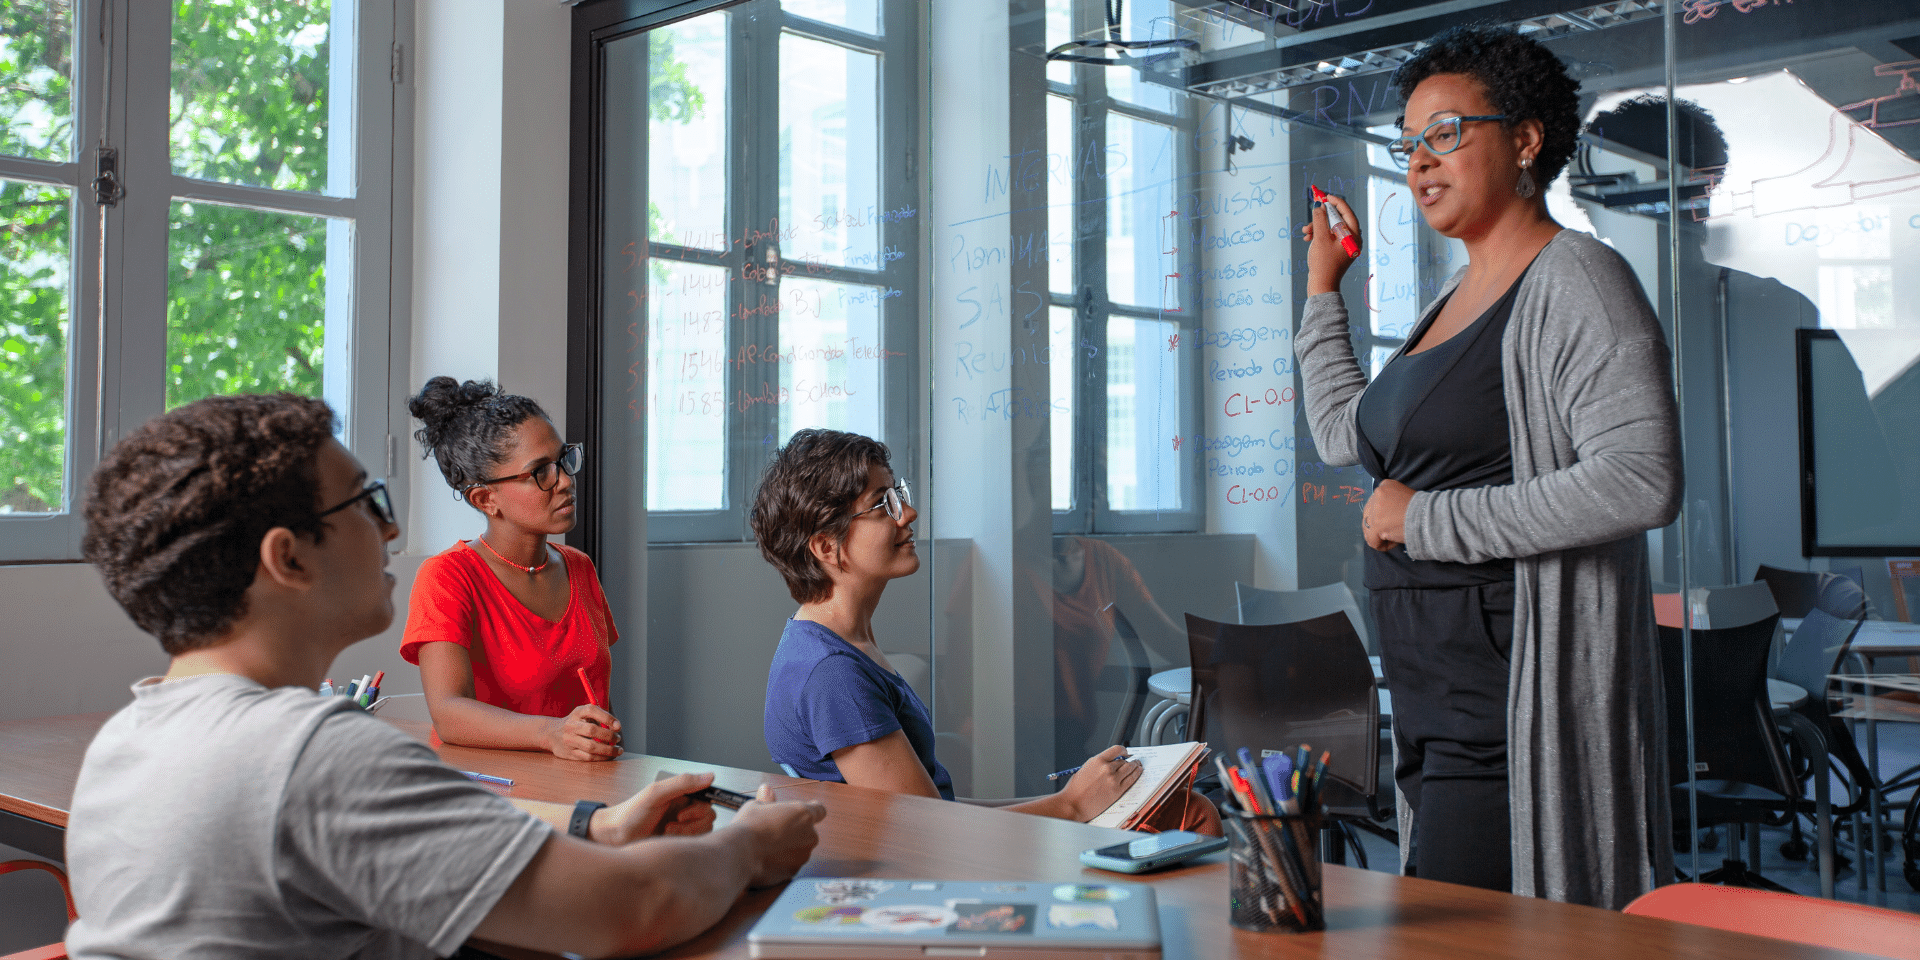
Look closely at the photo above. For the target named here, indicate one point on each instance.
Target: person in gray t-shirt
(230, 811)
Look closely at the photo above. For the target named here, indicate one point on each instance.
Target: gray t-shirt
(217, 818)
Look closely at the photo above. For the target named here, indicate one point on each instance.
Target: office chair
(1814, 653)
(52, 951)
(1784, 916)
(1276, 686)
(1797, 591)
(1257, 605)
(1738, 755)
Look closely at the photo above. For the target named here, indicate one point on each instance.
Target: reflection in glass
(686, 384)
(246, 300)
(686, 132)
(36, 92)
(254, 97)
(1143, 403)
(861, 15)
(830, 356)
(1142, 233)
(829, 154)
(1061, 362)
(1062, 210)
(35, 251)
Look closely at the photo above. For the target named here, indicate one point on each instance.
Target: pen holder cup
(1274, 871)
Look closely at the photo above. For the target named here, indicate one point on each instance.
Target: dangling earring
(1525, 186)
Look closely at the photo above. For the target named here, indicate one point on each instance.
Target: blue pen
(486, 778)
(1277, 769)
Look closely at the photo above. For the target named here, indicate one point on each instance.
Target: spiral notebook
(1166, 771)
(857, 918)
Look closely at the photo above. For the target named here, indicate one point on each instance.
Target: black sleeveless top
(1437, 420)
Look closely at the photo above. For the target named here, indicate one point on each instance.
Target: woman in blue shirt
(830, 516)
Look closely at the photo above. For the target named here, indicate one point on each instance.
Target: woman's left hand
(1384, 521)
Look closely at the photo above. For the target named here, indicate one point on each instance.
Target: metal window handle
(772, 277)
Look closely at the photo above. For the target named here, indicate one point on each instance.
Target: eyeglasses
(1441, 137)
(896, 499)
(377, 498)
(546, 475)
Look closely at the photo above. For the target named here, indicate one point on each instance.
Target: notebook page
(1160, 764)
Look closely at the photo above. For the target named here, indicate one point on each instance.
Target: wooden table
(872, 834)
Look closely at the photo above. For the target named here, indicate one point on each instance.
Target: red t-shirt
(521, 661)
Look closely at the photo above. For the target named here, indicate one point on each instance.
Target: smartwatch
(582, 815)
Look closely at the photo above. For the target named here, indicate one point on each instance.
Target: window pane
(35, 250)
(1143, 407)
(1144, 20)
(36, 79)
(1059, 31)
(687, 386)
(258, 97)
(1061, 362)
(831, 358)
(1062, 212)
(1141, 236)
(687, 134)
(829, 154)
(861, 15)
(247, 300)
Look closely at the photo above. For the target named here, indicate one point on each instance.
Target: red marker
(1341, 231)
(582, 671)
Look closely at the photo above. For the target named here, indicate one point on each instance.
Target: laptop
(819, 918)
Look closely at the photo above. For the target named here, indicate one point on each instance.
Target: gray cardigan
(1596, 462)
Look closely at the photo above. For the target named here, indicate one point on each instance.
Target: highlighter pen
(486, 778)
(1337, 223)
(582, 673)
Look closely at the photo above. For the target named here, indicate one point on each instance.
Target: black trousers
(1445, 653)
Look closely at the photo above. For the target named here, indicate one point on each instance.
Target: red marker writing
(1341, 231)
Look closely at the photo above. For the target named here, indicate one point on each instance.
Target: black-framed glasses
(1441, 137)
(375, 494)
(896, 499)
(547, 475)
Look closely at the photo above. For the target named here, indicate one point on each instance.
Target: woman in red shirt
(511, 633)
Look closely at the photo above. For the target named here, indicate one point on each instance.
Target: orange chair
(1786, 916)
(52, 951)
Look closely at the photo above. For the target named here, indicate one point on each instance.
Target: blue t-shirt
(823, 695)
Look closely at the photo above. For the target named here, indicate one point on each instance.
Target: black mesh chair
(1798, 591)
(1818, 739)
(1276, 686)
(1738, 754)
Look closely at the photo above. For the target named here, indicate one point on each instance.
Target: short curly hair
(467, 428)
(1522, 79)
(809, 489)
(176, 511)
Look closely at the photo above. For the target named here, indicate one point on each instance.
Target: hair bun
(442, 402)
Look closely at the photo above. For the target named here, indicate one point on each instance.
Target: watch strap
(582, 816)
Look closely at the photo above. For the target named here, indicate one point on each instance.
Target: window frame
(1091, 106)
(753, 145)
(123, 49)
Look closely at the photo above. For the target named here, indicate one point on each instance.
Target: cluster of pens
(363, 692)
(1272, 825)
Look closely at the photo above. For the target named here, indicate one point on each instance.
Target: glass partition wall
(1048, 251)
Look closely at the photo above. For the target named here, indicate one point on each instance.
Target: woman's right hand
(588, 733)
(1327, 262)
(1101, 780)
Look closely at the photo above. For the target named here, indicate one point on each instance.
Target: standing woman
(502, 625)
(1522, 441)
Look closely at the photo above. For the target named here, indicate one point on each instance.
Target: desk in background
(1370, 915)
